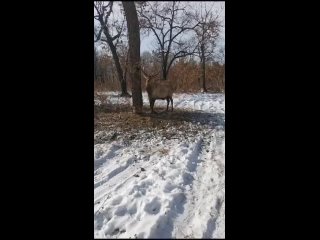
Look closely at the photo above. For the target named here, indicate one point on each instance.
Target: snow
(201, 102)
(156, 186)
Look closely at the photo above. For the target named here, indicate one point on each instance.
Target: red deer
(158, 89)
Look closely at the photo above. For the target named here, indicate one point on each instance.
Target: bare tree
(134, 54)
(123, 51)
(146, 59)
(207, 32)
(104, 10)
(95, 59)
(167, 21)
(220, 57)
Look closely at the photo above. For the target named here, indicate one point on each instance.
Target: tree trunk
(95, 64)
(123, 83)
(164, 73)
(164, 66)
(134, 54)
(203, 69)
(126, 67)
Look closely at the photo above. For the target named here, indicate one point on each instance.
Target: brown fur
(158, 89)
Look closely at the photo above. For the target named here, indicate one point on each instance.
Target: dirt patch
(119, 121)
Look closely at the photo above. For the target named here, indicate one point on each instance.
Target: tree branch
(95, 6)
(180, 54)
(116, 36)
(162, 17)
(109, 12)
(152, 29)
(170, 35)
(98, 37)
(184, 29)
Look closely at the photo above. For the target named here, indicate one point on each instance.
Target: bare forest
(159, 119)
(184, 47)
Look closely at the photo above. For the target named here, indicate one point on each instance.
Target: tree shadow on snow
(194, 117)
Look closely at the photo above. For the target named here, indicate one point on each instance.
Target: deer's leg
(152, 105)
(168, 101)
(171, 104)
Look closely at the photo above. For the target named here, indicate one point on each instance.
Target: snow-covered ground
(155, 186)
(212, 103)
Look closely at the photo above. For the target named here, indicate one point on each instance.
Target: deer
(158, 89)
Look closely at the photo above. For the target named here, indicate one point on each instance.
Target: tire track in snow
(205, 201)
(164, 227)
(111, 152)
(113, 179)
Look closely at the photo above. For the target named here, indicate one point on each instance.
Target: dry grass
(185, 77)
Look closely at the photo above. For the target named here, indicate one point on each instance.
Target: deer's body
(158, 89)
